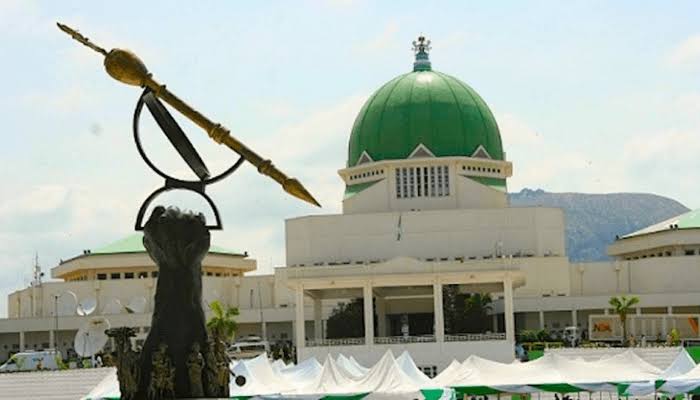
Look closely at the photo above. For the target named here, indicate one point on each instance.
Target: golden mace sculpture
(126, 67)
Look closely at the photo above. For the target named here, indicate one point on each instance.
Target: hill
(593, 220)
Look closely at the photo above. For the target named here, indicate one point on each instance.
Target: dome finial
(421, 47)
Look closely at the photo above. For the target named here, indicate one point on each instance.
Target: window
(422, 182)
(128, 275)
(154, 274)
(115, 275)
(101, 277)
(690, 252)
(398, 183)
(142, 275)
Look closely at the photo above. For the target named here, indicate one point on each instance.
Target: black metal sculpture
(178, 358)
(185, 149)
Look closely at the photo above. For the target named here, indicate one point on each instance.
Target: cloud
(688, 103)
(381, 42)
(686, 53)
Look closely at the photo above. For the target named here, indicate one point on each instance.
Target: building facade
(425, 207)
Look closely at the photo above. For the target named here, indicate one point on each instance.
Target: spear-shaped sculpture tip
(296, 189)
(82, 39)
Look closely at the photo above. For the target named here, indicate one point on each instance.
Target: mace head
(126, 67)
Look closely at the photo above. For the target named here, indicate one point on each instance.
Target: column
(263, 329)
(369, 314)
(52, 339)
(318, 328)
(299, 320)
(21, 341)
(664, 322)
(494, 323)
(508, 307)
(381, 316)
(541, 320)
(574, 317)
(439, 313)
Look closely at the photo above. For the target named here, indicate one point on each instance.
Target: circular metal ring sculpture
(184, 147)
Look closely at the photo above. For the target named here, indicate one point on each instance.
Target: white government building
(425, 206)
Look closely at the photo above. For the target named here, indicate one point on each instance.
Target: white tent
(399, 378)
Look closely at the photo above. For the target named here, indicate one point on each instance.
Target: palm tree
(477, 307)
(622, 306)
(222, 325)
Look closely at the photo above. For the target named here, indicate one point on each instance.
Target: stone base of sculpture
(178, 359)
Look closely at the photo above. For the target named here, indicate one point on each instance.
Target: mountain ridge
(593, 220)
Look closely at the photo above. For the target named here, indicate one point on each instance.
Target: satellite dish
(86, 306)
(67, 303)
(137, 305)
(113, 306)
(91, 337)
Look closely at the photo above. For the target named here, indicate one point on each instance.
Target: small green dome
(424, 107)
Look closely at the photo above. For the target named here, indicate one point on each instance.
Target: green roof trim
(494, 183)
(424, 107)
(134, 244)
(352, 190)
(559, 388)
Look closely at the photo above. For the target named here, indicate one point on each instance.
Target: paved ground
(50, 385)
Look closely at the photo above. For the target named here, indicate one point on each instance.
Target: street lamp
(57, 296)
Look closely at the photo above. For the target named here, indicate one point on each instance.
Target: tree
(622, 306)
(477, 308)
(346, 320)
(222, 325)
(453, 309)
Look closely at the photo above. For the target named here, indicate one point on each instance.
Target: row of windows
(154, 274)
(481, 169)
(687, 252)
(431, 181)
(367, 174)
(126, 275)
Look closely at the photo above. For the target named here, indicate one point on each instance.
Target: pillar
(508, 307)
(541, 320)
(574, 317)
(299, 320)
(21, 341)
(52, 339)
(318, 327)
(381, 316)
(494, 323)
(439, 313)
(369, 314)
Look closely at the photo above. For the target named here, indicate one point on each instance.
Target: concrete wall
(650, 275)
(435, 234)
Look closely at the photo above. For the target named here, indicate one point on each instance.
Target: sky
(590, 96)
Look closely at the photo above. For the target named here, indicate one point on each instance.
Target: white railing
(335, 342)
(473, 337)
(404, 339)
(467, 337)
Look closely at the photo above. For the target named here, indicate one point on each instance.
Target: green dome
(424, 106)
